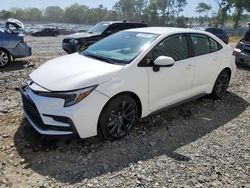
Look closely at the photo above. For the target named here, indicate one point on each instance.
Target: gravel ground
(204, 143)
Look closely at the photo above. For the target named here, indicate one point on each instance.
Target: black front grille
(34, 115)
(247, 50)
(32, 111)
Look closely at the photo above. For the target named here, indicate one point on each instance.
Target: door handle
(188, 67)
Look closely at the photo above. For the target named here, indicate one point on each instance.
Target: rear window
(132, 25)
(215, 30)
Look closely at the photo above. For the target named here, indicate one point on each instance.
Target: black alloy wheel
(221, 85)
(4, 58)
(118, 117)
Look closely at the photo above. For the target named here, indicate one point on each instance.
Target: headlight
(29, 81)
(239, 46)
(72, 97)
(74, 41)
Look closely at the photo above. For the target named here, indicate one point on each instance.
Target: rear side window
(215, 30)
(201, 44)
(114, 28)
(131, 25)
(214, 45)
(127, 26)
(218, 31)
(174, 46)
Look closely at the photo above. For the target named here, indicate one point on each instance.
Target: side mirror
(163, 61)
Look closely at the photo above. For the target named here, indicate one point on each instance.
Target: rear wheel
(4, 58)
(221, 85)
(118, 117)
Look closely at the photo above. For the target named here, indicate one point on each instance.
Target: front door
(173, 84)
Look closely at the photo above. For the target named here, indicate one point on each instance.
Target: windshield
(121, 47)
(98, 28)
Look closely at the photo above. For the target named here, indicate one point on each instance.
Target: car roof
(113, 22)
(166, 30)
(214, 28)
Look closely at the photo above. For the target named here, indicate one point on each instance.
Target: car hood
(81, 35)
(72, 72)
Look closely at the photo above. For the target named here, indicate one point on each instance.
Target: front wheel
(221, 85)
(118, 117)
(4, 58)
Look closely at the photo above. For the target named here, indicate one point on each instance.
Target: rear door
(206, 61)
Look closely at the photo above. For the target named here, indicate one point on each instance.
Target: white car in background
(129, 75)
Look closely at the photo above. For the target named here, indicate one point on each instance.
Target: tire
(118, 117)
(221, 85)
(4, 58)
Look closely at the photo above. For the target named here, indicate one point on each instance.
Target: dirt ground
(204, 143)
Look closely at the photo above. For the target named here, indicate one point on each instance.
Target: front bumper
(48, 116)
(32, 114)
(21, 50)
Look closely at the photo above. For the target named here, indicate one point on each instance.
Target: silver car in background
(12, 44)
(242, 53)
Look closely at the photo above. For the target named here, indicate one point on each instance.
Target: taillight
(234, 53)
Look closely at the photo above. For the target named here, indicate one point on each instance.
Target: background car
(123, 77)
(12, 44)
(77, 41)
(47, 32)
(242, 53)
(220, 33)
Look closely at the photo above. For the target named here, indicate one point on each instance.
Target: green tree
(140, 6)
(18, 13)
(151, 13)
(5, 14)
(33, 14)
(97, 15)
(240, 7)
(76, 13)
(54, 13)
(203, 8)
(126, 9)
(112, 15)
(162, 7)
(179, 6)
(224, 7)
(181, 22)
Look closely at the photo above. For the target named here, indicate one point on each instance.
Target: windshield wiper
(98, 57)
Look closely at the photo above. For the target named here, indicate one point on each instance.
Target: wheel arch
(228, 70)
(10, 56)
(4, 49)
(131, 94)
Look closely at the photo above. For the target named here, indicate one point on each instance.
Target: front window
(98, 28)
(175, 47)
(121, 47)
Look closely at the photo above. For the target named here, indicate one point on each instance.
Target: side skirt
(179, 103)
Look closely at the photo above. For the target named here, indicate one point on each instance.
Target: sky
(189, 9)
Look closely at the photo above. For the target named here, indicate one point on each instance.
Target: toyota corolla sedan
(129, 75)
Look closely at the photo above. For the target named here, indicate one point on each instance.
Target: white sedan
(129, 75)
